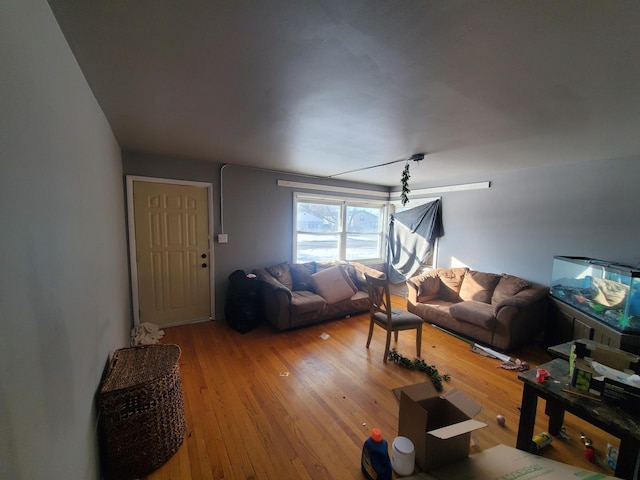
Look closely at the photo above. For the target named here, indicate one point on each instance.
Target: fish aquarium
(608, 292)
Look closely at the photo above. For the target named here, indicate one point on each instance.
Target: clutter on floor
(146, 334)
(421, 366)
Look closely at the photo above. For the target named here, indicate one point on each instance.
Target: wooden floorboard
(280, 405)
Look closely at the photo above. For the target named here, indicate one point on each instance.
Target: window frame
(343, 202)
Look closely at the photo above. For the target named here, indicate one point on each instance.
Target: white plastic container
(403, 456)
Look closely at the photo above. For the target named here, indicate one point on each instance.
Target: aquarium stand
(568, 323)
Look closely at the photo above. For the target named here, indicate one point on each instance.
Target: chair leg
(395, 334)
(419, 339)
(370, 333)
(386, 348)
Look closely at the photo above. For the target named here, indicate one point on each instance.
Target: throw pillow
(478, 286)
(282, 273)
(450, 281)
(301, 275)
(507, 287)
(429, 287)
(351, 271)
(333, 284)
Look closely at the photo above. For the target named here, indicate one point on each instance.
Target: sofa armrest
(270, 283)
(521, 318)
(418, 279)
(276, 299)
(523, 299)
(360, 270)
(412, 292)
(423, 287)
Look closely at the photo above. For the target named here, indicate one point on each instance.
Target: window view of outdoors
(363, 233)
(320, 232)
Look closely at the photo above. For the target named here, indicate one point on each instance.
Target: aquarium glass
(606, 291)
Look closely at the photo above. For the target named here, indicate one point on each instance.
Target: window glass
(318, 217)
(316, 248)
(363, 219)
(364, 233)
(362, 247)
(330, 229)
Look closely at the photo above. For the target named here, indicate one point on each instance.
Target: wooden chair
(391, 319)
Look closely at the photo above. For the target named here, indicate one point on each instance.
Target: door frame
(133, 265)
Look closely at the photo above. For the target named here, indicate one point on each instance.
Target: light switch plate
(223, 238)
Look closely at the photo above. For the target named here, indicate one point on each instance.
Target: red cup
(542, 375)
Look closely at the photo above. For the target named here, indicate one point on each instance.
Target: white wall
(527, 216)
(64, 302)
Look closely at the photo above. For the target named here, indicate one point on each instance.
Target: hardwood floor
(300, 404)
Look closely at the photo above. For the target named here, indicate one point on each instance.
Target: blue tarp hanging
(412, 234)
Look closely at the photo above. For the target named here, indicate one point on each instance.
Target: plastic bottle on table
(375, 462)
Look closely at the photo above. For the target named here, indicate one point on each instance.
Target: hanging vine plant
(405, 185)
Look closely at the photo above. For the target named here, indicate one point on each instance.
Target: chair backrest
(379, 296)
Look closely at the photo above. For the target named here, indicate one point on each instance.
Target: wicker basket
(141, 410)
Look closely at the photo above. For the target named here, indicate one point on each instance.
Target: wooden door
(172, 253)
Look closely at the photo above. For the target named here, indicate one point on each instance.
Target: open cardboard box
(439, 426)
(507, 462)
(585, 378)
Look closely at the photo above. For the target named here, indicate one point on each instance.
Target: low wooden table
(625, 426)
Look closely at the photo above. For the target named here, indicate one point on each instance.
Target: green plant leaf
(404, 181)
(421, 366)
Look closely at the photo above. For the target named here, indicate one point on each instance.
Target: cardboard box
(508, 462)
(586, 379)
(439, 426)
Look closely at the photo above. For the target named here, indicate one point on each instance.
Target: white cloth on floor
(146, 334)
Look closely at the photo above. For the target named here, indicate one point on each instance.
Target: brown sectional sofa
(498, 310)
(299, 294)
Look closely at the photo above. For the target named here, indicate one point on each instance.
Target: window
(333, 228)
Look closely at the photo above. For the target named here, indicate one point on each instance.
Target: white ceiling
(325, 86)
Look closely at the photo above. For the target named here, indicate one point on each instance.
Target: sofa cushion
(451, 279)
(507, 287)
(333, 284)
(428, 288)
(282, 273)
(351, 271)
(478, 286)
(477, 313)
(303, 301)
(436, 311)
(301, 275)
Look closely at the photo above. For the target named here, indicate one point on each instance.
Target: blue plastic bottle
(375, 461)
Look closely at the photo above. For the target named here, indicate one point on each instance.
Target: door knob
(204, 255)
(204, 265)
